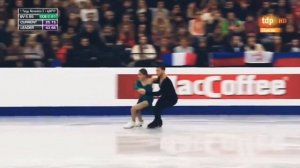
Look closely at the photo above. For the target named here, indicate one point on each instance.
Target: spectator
(72, 7)
(184, 47)
(14, 56)
(73, 21)
(91, 33)
(216, 22)
(62, 51)
(85, 55)
(177, 22)
(142, 30)
(160, 19)
(142, 19)
(283, 8)
(2, 53)
(67, 36)
(105, 6)
(89, 12)
(289, 33)
(34, 53)
(207, 15)
(165, 47)
(294, 46)
(3, 12)
(243, 10)
(161, 26)
(290, 19)
(197, 26)
(161, 8)
(182, 33)
(236, 44)
(176, 11)
(252, 45)
(126, 36)
(206, 3)
(266, 39)
(296, 11)
(14, 11)
(216, 41)
(109, 36)
(143, 54)
(127, 8)
(266, 9)
(250, 25)
(4, 35)
(202, 54)
(229, 7)
(127, 20)
(277, 45)
(143, 9)
(231, 24)
(191, 12)
(109, 19)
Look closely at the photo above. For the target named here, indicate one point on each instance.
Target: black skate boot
(153, 124)
(160, 123)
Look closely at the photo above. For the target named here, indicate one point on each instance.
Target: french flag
(225, 59)
(180, 59)
(287, 59)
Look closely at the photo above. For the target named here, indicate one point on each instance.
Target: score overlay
(30, 19)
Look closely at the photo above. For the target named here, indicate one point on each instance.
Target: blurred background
(134, 33)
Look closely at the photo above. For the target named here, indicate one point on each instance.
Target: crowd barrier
(109, 91)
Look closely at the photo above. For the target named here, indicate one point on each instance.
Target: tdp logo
(271, 23)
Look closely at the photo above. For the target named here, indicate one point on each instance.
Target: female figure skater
(144, 83)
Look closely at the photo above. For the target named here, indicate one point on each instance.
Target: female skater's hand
(141, 91)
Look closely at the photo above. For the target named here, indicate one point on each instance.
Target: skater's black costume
(168, 98)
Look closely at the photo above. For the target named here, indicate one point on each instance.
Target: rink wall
(109, 91)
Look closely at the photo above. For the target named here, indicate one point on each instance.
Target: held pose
(143, 84)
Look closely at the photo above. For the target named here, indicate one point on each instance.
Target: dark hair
(162, 67)
(144, 72)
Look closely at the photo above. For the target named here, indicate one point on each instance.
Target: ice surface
(183, 142)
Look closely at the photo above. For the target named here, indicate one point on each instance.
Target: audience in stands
(252, 45)
(294, 46)
(143, 54)
(236, 44)
(115, 30)
(197, 25)
(202, 52)
(85, 55)
(184, 47)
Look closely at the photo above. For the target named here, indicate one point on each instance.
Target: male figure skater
(167, 93)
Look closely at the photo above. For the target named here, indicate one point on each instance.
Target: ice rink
(183, 142)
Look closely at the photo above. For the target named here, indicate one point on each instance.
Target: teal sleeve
(137, 85)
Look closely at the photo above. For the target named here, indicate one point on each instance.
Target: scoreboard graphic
(30, 19)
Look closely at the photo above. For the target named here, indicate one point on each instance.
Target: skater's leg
(161, 105)
(139, 116)
(136, 110)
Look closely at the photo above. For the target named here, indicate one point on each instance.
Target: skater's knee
(133, 109)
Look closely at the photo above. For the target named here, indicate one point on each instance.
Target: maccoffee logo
(241, 86)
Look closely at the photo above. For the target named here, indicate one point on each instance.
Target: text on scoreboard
(38, 19)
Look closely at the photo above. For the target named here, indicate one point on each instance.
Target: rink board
(109, 91)
(178, 110)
